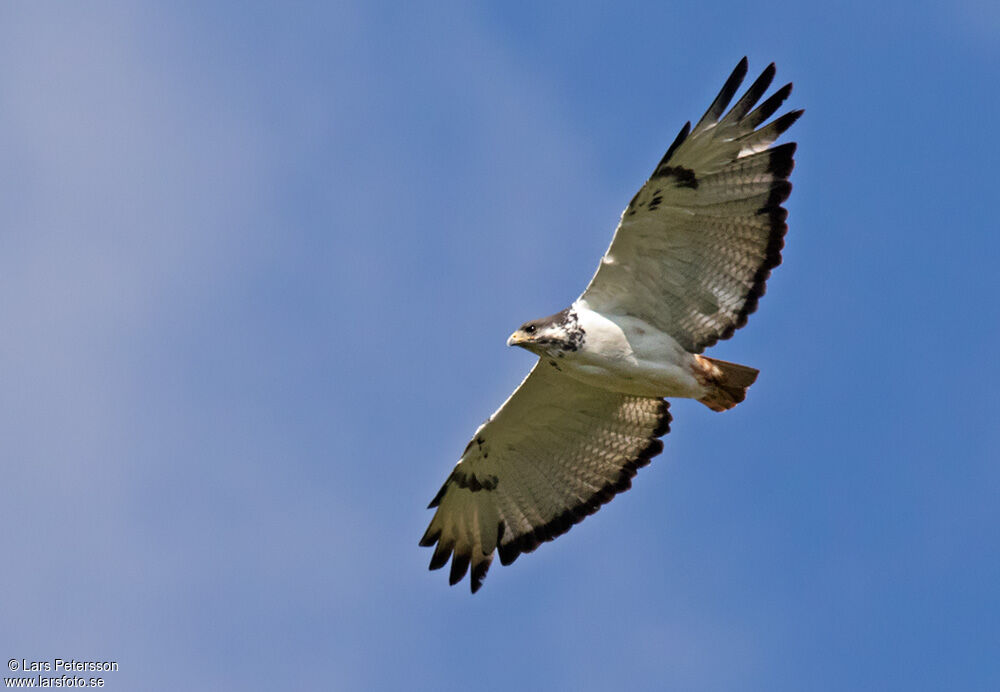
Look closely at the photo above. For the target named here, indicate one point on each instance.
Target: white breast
(626, 354)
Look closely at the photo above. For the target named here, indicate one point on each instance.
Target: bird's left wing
(554, 453)
(697, 243)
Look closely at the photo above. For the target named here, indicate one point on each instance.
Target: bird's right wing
(697, 243)
(554, 453)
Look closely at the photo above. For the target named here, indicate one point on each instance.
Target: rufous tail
(727, 383)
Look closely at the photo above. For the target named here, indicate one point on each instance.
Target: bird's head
(559, 332)
(530, 335)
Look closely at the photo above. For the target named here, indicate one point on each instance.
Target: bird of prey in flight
(686, 267)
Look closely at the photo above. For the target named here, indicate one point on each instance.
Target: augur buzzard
(685, 268)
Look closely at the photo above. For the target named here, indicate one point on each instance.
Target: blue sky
(258, 263)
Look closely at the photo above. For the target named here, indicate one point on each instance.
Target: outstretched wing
(696, 244)
(554, 453)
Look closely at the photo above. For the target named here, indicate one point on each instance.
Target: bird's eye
(530, 329)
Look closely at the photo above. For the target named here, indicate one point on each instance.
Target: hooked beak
(516, 339)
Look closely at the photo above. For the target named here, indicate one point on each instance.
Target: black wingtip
(753, 94)
(430, 537)
(766, 109)
(459, 566)
(782, 123)
(478, 573)
(725, 95)
(765, 79)
(440, 557)
(761, 84)
(440, 495)
(507, 552)
(678, 140)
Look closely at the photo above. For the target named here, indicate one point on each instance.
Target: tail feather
(727, 383)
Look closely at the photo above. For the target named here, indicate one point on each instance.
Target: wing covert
(550, 456)
(695, 246)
